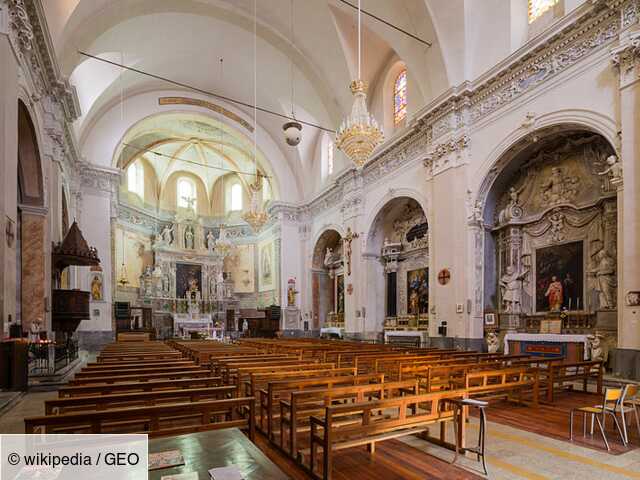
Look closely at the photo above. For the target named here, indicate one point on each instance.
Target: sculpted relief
(555, 229)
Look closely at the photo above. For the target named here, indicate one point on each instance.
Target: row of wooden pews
(144, 387)
(310, 398)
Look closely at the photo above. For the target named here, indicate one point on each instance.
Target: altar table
(574, 348)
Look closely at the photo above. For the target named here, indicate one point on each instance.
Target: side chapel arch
(327, 279)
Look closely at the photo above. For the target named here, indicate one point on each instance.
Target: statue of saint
(614, 168)
(96, 288)
(188, 238)
(327, 257)
(511, 289)
(604, 271)
(211, 242)
(554, 294)
(167, 234)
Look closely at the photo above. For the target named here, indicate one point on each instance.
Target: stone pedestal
(292, 318)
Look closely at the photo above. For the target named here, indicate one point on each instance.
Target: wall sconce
(10, 232)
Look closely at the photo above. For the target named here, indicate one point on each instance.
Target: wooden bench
(179, 374)
(561, 373)
(501, 382)
(133, 386)
(277, 389)
(260, 380)
(305, 403)
(400, 417)
(142, 372)
(160, 420)
(127, 399)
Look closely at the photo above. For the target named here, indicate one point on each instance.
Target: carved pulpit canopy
(74, 250)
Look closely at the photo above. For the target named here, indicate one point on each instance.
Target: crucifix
(189, 201)
(348, 238)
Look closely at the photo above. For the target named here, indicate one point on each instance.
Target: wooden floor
(553, 421)
(393, 460)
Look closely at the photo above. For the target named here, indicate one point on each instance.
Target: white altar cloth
(332, 330)
(546, 337)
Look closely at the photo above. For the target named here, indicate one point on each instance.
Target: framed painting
(418, 291)
(560, 277)
(266, 267)
(188, 278)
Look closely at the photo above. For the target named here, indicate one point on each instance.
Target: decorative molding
(209, 105)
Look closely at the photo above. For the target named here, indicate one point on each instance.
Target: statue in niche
(554, 294)
(188, 238)
(328, 256)
(211, 242)
(212, 288)
(613, 170)
(166, 286)
(604, 271)
(96, 288)
(511, 289)
(559, 188)
(167, 234)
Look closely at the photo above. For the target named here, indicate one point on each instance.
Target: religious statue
(166, 284)
(348, 238)
(511, 289)
(34, 330)
(167, 234)
(96, 288)
(558, 188)
(604, 272)
(513, 209)
(493, 344)
(291, 293)
(613, 170)
(245, 326)
(328, 257)
(598, 348)
(554, 294)
(211, 242)
(188, 238)
(190, 201)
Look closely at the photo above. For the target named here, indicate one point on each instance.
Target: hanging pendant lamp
(359, 134)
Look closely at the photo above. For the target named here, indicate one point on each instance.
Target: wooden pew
(133, 386)
(561, 373)
(409, 415)
(259, 380)
(98, 367)
(142, 372)
(128, 399)
(501, 382)
(278, 389)
(159, 420)
(150, 376)
(304, 403)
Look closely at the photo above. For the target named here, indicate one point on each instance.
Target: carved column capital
(626, 59)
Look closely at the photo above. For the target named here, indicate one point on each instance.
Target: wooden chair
(611, 398)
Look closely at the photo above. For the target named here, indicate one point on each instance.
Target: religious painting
(188, 280)
(240, 264)
(418, 291)
(133, 250)
(96, 287)
(266, 267)
(340, 294)
(559, 277)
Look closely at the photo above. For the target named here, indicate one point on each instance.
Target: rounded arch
(329, 237)
(518, 139)
(168, 194)
(30, 176)
(391, 195)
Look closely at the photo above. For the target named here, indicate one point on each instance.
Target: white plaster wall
(96, 228)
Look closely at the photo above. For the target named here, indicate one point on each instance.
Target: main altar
(187, 283)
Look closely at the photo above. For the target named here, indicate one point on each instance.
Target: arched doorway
(398, 238)
(551, 236)
(30, 281)
(327, 280)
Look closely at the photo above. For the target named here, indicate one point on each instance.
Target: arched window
(537, 8)
(186, 194)
(236, 197)
(327, 156)
(135, 178)
(400, 98)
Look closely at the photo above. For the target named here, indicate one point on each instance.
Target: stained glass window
(400, 98)
(538, 7)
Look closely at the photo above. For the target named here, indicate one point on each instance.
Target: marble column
(33, 282)
(626, 59)
(8, 174)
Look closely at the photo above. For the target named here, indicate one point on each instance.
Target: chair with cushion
(611, 399)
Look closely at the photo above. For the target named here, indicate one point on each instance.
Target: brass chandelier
(359, 134)
(255, 217)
